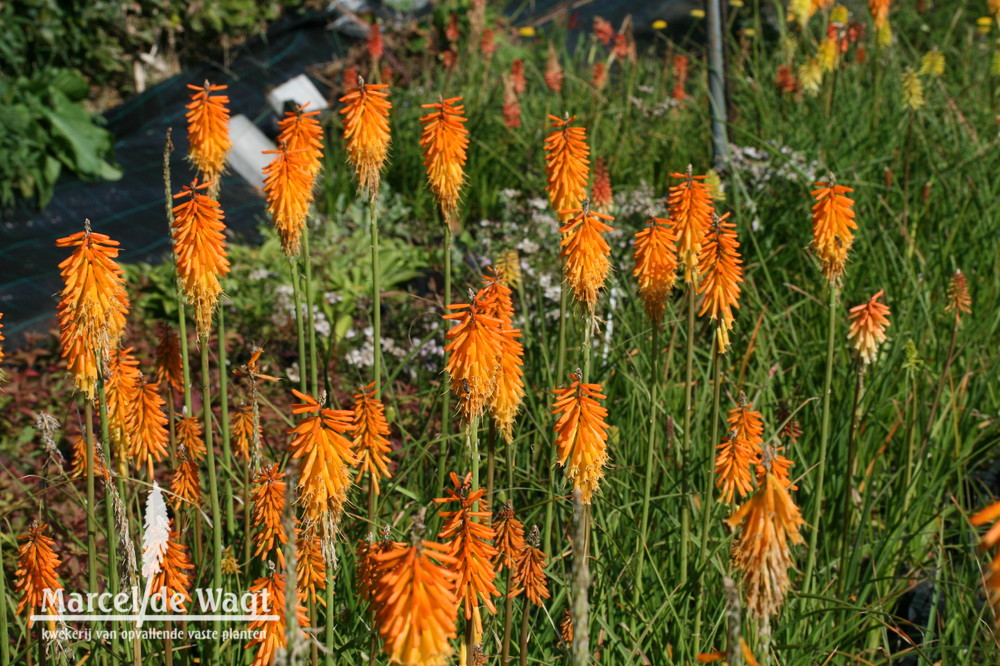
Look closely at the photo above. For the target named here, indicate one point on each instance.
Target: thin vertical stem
(299, 323)
(227, 454)
(331, 619)
(525, 630)
(181, 315)
(313, 357)
(824, 441)
(247, 514)
(849, 481)
(508, 621)
(446, 398)
(709, 497)
(376, 295)
(560, 373)
(473, 439)
(213, 484)
(654, 383)
(491, 444)
(88, 416)
(685, 450)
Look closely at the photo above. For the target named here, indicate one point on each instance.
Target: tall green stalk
(5, 644)
(313, 357)
(709, 497)
(213, 484)
(824, 440)
(560, 372)
(227, 454)
(299, 325)
(852, 446)
(181, 315)
(654, 384)
(88, 416)
(446, 397)
(376, 294)
(685, 451)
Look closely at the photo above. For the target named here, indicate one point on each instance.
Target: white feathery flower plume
(154, 541)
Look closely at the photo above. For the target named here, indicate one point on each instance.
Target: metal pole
(717, 85)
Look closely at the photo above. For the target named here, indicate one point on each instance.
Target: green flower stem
(824, 441)
(227, 454)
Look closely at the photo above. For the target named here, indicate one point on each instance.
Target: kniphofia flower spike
(200, 250)
(93, 305)
(366, 131)
(445, 141)
(208, 130)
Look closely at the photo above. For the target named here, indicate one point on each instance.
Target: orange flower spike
(567, 167)
(833, 227)
(92, 306)
(185, 483)
(691, 210)
(445, 140)
(310, 566)
(169, 370)
(720, 266)
(36, 571)
(582, 435)
(655, 266)
(271, 635)
(208, 130)
(366, 131)
(509, 537)
(242, 429)
(173, 577)
(732, 468)
(200, 250)
(267, 518)
(367, 575)
(416, 604)
(867, 330)
(768, 522)
(586, 253)
(120, 392)
(371, 430)
(78, 461)
(602, 199)
(1, 338)
(469, 542)
(529, 574)
(509, 391)
(327, 457)
(288, 187)
(189, 434)
(959, 300)
(474, 348)
(747, 424)
(880, 12)
(147, 426)
(302, 133)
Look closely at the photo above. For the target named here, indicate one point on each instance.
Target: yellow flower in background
(800, 10)
(736, 3)
(789, 47)
(715, 186)
(811, 75)
(932, 63)
(659, 24)
(984, 24)
(884, 36)
(828, 54)
(749, 32)
(698, 13)
(913, 90)
(526, 31)
(838, 14)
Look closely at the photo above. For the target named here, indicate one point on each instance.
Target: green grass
(908, 243)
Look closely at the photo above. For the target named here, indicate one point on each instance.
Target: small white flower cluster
(760, 167)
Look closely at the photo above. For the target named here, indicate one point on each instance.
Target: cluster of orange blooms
(484, 356)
